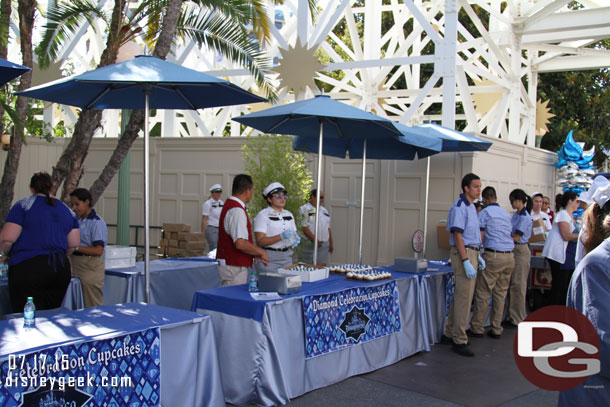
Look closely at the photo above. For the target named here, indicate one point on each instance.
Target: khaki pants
(459, 310)
(518, 283)
(232, 275)
(90, 270)
(492, 281)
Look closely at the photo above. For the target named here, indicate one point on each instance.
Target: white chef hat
(216, 188)
(602, 195)
(272, 188)
(599, 182)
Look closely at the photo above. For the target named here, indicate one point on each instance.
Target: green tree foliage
(270, 158)
(581, 102)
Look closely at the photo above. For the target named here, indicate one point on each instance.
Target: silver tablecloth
(172, 282)
(264, 363)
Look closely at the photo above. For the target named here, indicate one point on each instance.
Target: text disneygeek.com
(38, 370)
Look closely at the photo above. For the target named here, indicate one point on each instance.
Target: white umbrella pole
(146, 198)
(315, 240)
(426, 205)
(362, 201)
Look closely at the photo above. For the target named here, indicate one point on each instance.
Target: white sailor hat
(599, 182)
(216, 188)
(602, 195)
(272, 188)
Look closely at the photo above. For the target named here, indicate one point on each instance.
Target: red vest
(226, 248)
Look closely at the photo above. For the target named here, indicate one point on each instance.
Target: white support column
(514, 111)
(447, 61)
(532, 91)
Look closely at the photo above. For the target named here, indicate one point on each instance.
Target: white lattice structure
(409, 60)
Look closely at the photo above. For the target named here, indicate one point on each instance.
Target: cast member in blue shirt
(87, 262)
(465, 238)
(38, 234)
(496, 230)
(522, 203)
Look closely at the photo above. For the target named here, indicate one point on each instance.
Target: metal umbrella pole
(362, 201)
(315, 239)
(146, 197)
(426, 205)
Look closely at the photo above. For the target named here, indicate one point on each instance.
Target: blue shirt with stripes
(522, 225)
(463, 219)
(496, 223)
(93, 231)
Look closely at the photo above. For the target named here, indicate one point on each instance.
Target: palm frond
(219, 33)
(244, 12)
(64, 20)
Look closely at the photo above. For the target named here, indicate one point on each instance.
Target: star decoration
(543, 116)
(298, 67)
(354, 324)
(484, 102)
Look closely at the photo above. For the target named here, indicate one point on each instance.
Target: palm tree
(216, 24)
(26, 10)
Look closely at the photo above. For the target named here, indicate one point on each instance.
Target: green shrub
(270, 158)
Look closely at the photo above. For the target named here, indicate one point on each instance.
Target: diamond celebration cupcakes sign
(120, 371)
(345, 318)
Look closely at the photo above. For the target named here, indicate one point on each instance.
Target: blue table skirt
(190, 373)
(173, 282)
(263, 361)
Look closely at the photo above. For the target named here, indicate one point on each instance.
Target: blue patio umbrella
(10, 70)
(452, 141)
(144, 82)
(338, 129)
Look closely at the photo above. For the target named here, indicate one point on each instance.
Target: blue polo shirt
(463, 219)
(496, 223)
(522, 225)
(44, 228)
(93, 231)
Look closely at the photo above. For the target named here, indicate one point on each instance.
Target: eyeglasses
(546, 203)
(280, 195)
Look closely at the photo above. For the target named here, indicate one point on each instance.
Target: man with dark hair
(465, 237)
(236, 250)
(494, 280)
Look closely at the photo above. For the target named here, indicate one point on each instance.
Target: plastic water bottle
(3, 271)
(29, 314)
(252, 281)
(3, 267)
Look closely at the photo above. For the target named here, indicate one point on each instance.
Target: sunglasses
(280, 195)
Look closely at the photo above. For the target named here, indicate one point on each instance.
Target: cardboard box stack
(178, 241)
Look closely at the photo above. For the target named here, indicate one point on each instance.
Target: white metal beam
(574, 63)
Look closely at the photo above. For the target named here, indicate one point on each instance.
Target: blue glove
(287, 234)
(470, 271)
(481, 263)
(297, 240)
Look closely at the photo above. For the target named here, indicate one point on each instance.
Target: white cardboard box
(119, 256)
(308, 276)
(110, 264)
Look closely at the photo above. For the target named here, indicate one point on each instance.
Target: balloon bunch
(575, 169)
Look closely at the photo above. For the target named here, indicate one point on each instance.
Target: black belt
(498, 251)
(277, 250)
(78, 254)
(473, 248)
(521, 243)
